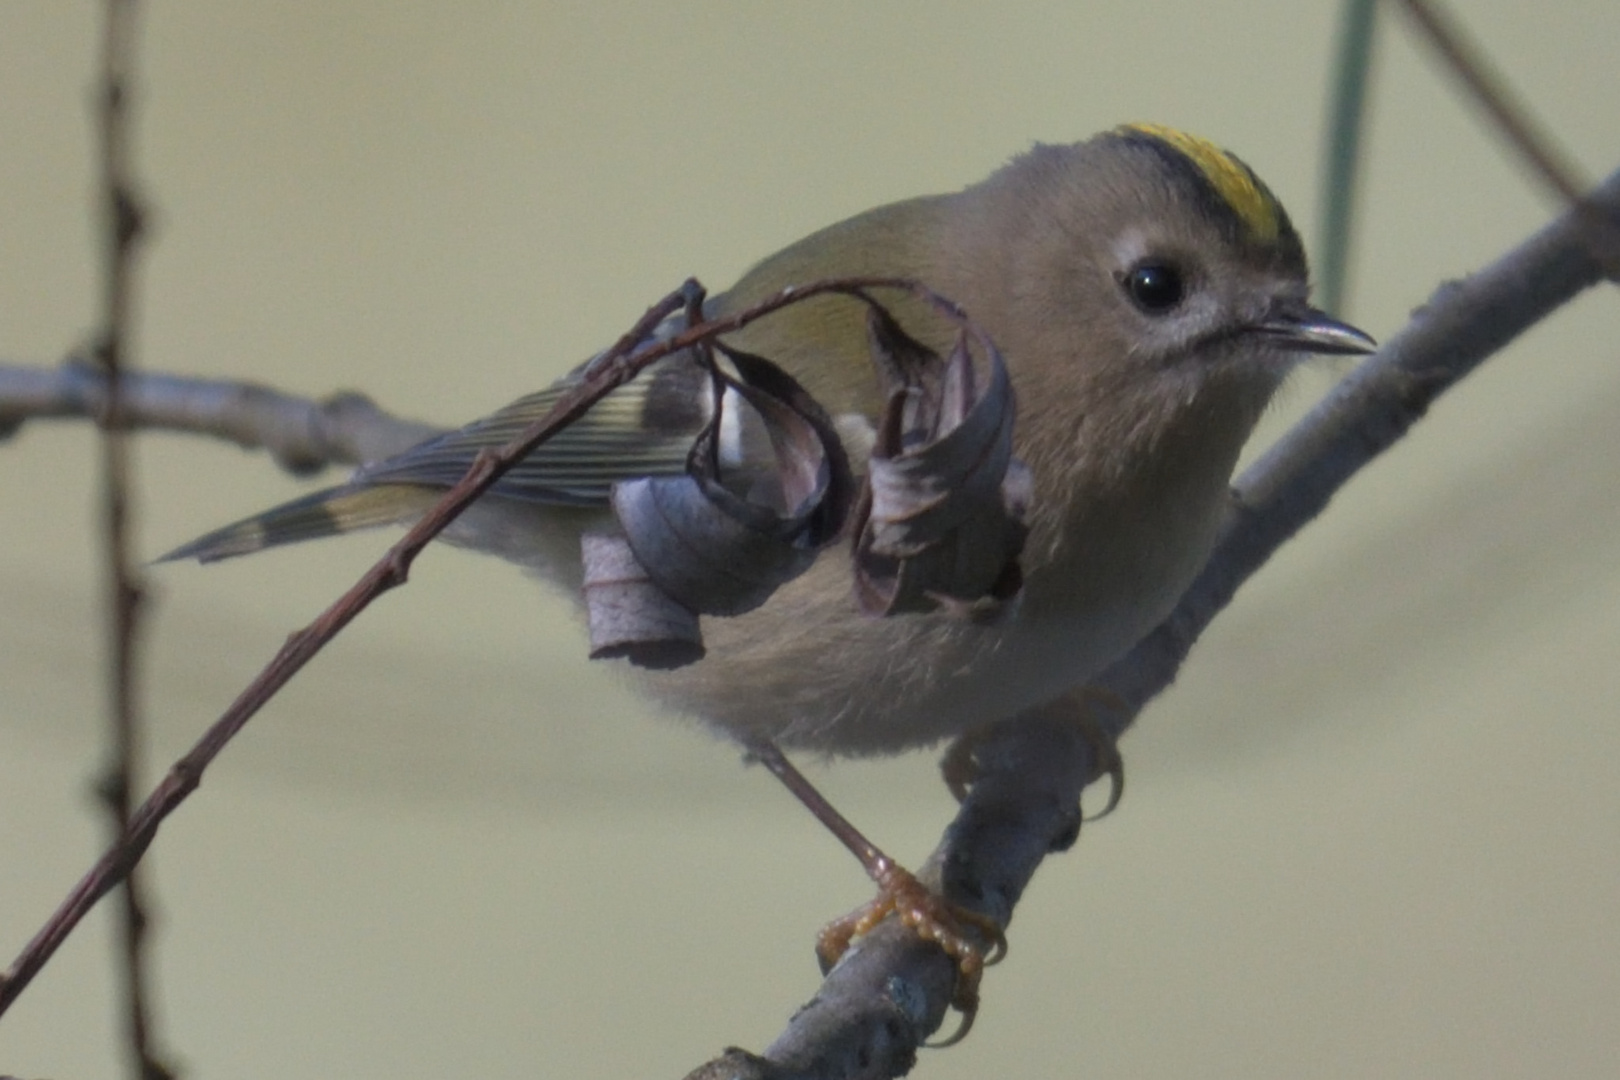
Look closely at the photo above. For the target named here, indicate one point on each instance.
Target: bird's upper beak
(1297, 327)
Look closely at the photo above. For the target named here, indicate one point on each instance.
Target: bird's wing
(644, 428)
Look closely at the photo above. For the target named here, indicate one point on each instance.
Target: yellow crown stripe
(1231, 180)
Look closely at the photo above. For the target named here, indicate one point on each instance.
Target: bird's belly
(807, 671)
(875, 686)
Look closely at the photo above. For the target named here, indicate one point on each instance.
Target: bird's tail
(324, 513)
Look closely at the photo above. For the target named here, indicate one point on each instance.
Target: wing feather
(644, 428)
(623, 436)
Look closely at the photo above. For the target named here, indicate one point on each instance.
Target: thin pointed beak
(1298, 327)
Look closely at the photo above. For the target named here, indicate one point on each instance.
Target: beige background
(1374, 831)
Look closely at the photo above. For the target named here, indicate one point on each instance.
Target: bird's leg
(960, 932)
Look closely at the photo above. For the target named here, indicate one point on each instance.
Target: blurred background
(1372, 831)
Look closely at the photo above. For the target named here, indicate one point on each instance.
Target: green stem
(1342, 153)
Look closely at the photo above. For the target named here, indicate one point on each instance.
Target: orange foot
(958, 931)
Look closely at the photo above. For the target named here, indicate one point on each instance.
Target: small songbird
(1149, 295)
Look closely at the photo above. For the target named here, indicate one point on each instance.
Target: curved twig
(633, 352)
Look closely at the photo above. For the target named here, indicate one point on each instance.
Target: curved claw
(968, 1011)
(960, 765)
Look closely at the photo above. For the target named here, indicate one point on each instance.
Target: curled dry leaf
(940, 524)
(628, 615)
(720, 539)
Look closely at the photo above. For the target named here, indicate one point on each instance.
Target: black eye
(1155, 287)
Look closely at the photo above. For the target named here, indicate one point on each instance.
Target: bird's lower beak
(1298, 327)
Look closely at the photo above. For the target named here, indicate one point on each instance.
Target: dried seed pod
(630, 617)
(941, 521)
(721, 551)
(722, 538)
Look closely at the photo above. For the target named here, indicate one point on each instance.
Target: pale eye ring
(1155, 286)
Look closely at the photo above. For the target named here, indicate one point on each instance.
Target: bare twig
(1511, 116)
(1513, 119)
(390, 571)
(612, 369)
(302, 435)
(123, 223)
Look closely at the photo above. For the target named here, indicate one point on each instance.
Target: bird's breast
(808, 671)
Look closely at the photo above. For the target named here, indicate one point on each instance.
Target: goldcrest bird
(1149, 295)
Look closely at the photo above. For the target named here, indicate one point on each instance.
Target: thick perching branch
(891, 990)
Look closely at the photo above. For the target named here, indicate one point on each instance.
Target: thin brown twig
(1514, 120)
(122, 222)
(612, 369)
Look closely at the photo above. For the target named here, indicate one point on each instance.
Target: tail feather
(324, 513)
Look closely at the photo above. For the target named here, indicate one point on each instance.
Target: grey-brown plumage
(1149, 295)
